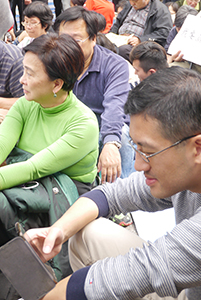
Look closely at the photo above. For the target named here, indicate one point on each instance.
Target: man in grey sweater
(111, 262)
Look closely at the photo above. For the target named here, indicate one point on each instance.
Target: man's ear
(45, 27)
(58, 83)
(94, 40)
(152, 71)
(197, 147)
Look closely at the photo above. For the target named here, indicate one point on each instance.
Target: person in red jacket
(103, 7)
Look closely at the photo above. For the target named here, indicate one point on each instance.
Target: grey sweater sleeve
(170, 264)
(131, 194)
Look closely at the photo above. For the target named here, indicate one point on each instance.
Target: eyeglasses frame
(81, 41)
(25, 24)
(146, 157)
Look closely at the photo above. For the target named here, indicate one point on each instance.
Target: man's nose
(140, 164)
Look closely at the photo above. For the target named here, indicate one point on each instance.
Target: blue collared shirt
(104, 88)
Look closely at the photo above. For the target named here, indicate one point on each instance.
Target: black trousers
(13, 5)
(58, 7)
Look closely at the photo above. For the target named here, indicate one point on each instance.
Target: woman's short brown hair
(61, 56)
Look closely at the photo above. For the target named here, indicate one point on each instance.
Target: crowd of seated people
(79, 128)
(140, 21)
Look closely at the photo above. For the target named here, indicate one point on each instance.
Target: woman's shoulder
(82, 111)
(24, 106)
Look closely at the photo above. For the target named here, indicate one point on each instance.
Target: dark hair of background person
(182, 13)
(61, 56)
(103, 41)
(171, 96)
(121, 4)
(151, 55)
(175, 5)
(75, 13)
(100, 21)
(78, 2)
(40, 10)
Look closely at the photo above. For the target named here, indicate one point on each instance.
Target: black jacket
(157, 26)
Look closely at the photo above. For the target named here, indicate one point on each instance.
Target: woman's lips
(25, 91)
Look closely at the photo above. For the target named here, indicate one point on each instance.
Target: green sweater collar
(61, 107)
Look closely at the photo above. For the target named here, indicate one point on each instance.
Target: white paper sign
(188, 40)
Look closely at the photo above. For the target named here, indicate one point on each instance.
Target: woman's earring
(55, 95)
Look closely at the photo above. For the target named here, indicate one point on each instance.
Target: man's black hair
(151, 55)
(76, 13)
(172, 96)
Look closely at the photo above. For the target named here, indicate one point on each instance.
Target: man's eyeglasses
(25, 24)
(81, 41)
(146, 157)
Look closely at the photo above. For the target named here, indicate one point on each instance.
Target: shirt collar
(96, 60)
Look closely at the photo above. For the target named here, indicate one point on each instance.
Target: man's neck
(86, 64)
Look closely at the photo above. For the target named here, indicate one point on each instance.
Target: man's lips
(150, 181)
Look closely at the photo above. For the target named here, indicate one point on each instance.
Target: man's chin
(159, 194)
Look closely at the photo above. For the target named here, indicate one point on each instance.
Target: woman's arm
(74, 152)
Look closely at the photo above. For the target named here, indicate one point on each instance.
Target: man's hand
(3, 113)
(134, 41)
(175, 57)
(6, 103)
(48, 240)
(109, 163)
(27, 2)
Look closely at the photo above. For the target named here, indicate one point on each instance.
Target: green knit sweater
(63, 138)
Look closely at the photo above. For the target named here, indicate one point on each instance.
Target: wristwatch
(117, 144)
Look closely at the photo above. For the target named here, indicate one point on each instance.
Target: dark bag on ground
(35, 204)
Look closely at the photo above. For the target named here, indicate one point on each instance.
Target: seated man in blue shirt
(103, 86)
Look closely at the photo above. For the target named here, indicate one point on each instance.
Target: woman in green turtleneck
(49, 121)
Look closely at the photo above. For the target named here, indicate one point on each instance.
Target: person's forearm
(59, 292)
(6, 103)
(82, 212)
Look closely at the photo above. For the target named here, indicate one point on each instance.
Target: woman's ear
(58, 84)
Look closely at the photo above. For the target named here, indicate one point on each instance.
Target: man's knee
(100, 239)
(84, 247)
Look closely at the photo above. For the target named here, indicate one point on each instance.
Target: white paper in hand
(188, 40)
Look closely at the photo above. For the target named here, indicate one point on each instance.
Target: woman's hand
(48, 241)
